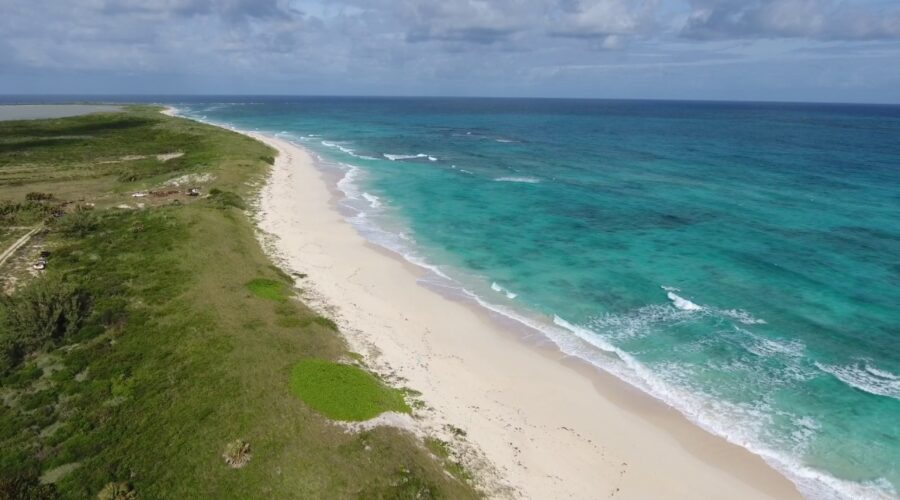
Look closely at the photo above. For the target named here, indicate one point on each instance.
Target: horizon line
(461, 97)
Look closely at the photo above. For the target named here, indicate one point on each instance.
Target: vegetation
(344, 392)
(441, 449)
(237, 453)
(13, 213)
(227, 199)
(268, 289)
(117, 491)
(43, 313)
(138, 355)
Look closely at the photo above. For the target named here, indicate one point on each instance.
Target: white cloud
(412, 46)
(813, 19)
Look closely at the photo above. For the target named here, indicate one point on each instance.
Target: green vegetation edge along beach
(160, 354)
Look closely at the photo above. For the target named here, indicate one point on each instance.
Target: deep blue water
(739, 261)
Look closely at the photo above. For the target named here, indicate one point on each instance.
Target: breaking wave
(497, 288)
(865, 377)
(399, 157)
(679, 301)
(525, 180)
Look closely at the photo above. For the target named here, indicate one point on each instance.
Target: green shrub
(79, 223)
(46, 311)
(22, 376)
(11, 352)
(128, 175)
(38, 399)
(226, 199)
(35, 196)
(24, 213)
(25, 486)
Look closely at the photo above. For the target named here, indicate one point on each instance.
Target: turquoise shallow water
(739, 261)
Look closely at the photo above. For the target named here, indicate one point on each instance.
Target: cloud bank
(814, 19)
(600, 48)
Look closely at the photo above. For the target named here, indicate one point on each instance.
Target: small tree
(79, 223)
(46, 311)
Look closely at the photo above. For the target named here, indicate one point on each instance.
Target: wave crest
(525, 180)
(400, 157)
(497, 288)
(865, 377)
(679, 301)
(374, 201)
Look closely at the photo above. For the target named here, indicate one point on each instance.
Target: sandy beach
(549, 425)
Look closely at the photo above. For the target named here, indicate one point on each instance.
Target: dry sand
(549, 425)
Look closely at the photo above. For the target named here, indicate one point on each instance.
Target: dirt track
(15, 246)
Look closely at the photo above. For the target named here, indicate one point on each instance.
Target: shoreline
(617, 420)
(552, 425)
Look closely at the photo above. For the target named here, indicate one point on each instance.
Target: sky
(772, 50)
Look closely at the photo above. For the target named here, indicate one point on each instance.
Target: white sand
(551, 426)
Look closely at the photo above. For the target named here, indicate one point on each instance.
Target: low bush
(226, 199)
(44, 312)
(79, 223)
(25, 485)
(35, 196)
(24, 213)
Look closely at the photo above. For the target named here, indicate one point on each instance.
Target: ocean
(738, 261)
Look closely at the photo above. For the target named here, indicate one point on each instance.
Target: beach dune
(551, 426)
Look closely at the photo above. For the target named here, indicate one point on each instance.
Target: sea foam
(344, 149)
(865, 377)
(347, 183)
(524, 180)
(374, 201)
(497, 288)
(679, 301)
(400, 157)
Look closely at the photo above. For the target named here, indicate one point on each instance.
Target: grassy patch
(344, 392)
(267, 289)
